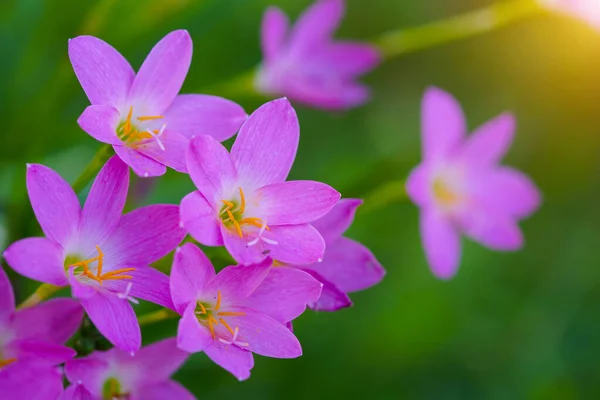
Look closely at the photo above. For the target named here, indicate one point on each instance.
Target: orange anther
(150, 117)
(231, 314)
(226, 326)
(218, 300)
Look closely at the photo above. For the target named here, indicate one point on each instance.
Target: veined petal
(238, 282)
(265, 148)
(191, 336)
(316, 25)
(441, 242)
(16, 381)
(331, 299)
(103, 72)
(147, 283)
(200, 114)
(274, 30)
(443, 124)
(296, 244)
(296, 202)
(54, 203)
(162, 74)
(191, 272)
(53, 321)
(7, 297)
(160, 360)
(488, 144)
(172, 152)
(100, 122)
(39, 259)
(200, 220)
(333, 225)
(164, 390)
(141, 165)
(353, 58)
(231, 358)
(91, 372)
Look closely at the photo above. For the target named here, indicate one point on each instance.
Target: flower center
(232, 215)
(112, 390)
(130, 133)
(92, 268)
(444, 194)
(212, 316)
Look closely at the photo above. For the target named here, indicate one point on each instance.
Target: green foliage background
(510, 325)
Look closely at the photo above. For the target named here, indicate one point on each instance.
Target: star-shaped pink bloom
(141, 115)
(461, 188)
(307, 65)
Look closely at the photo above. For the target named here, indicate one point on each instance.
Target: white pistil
(157, 136)
(126, 296)
(261, 237)
(234, 339)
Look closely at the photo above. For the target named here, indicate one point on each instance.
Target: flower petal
(76, 392)
(103, 72)
(333, 225)
(238, 282)
(164, 390)
(231, 358)
(441, 242)
(141, 165)
(298, 288)
(147, 283)
(100, 122)
(296, 244)
(443, 124)
(91, 371)
(104, 204)
(54, 203)
(41, 352)
(52, 321)
(16, 382)
(162, 74)
(316, 25)
(144, 236)
(353, 58)
(266, 145)
(7, 297)
(191, 336)
(160, 360)
(200, 114)
(200, 220)
(274, 29)
(418, 186)
(191, 272)
(240, 250)
(326, 92)
(296, 202)
(172, 154)
(488, 144)
(332, 298)
(494, 230)
(39, 259)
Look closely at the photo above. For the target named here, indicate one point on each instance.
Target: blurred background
(510, 325)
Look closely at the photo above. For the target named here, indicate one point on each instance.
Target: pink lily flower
(586, 10)
(243, 201)
(227, 316)
(307, 65)
(104, 256)
(460, 187)
(32, 380)
(141, 115)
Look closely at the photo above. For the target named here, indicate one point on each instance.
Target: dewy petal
(274, 31)
(172, 154)
(104, 204)
(91, 371)
(141, 165)
(443, 124)
(352, 58)
(296, 202)
(191, 272)
(162, 74)
(297, 244)
(210, 167)
(7, 297)
(39, 259)
(191, 336)
(103, 72)
(115, 319)
(231, 358)
(284, 294)
(160, 360)
(164, 390)
(441, 242)
(238, 282)
(316, 25)
(331, 299)
(418, 186)
(147, 283)
(54, 203)
(100, 122)
(144, 236)
(52, 321)
(494, 230)
(31, 381)
(200, 220)
(200, 114)
(333, 225)
(266, 145)
(488, 144)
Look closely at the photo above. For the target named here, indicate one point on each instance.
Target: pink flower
(586, 10)
(229, 317)
(307, 65)
(243, 201)
(103, 256)
(460, 187)
(116, 374)
(141, 115)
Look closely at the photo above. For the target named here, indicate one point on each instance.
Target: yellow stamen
(242, 201)
(237, 224)
(238, 228)
(211, 328)
(218, 305)
(254, 222)
(4, 363)
(127, 127)
(100, 257)
(116, 272)
(150, 117)
(226, 326)
(202, 308)
(231, 314)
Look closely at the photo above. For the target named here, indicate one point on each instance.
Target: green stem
(462, 26)
(102, 155)
(156, 316)
(43, 292)
(384, 195)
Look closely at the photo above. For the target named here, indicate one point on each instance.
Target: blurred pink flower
(307, 65)
(587, 10)
(460, 187)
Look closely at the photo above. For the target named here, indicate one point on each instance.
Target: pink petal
(200, 220)
(52, 321)
(418, 186)
(91, 372)
(172, 154)
(104, 204)
(324, 91)
(76, 392)
(7, 297)
(274, 30)
(147, 283)
(231, 358)
(100, 122)
(199, 114)
(441, 243)
(296, 202)
(494, 230)
(39, 259)
(284, 294)
(352, 58)
(332, 298)
(238, 282)
(160, 360)
(162, 74)
(443, 124)
(141, 165)
(316, 25)
(164, 390)
(25, 350)
(103, 73)
(115, 319)
(266, 145)
(191, 336)
(333, 225)
(210, 167)
(296, 244)
(54, 203)
(191, 272)
(144, 236)
(488, 144)
(240, 250)
(16, 382)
